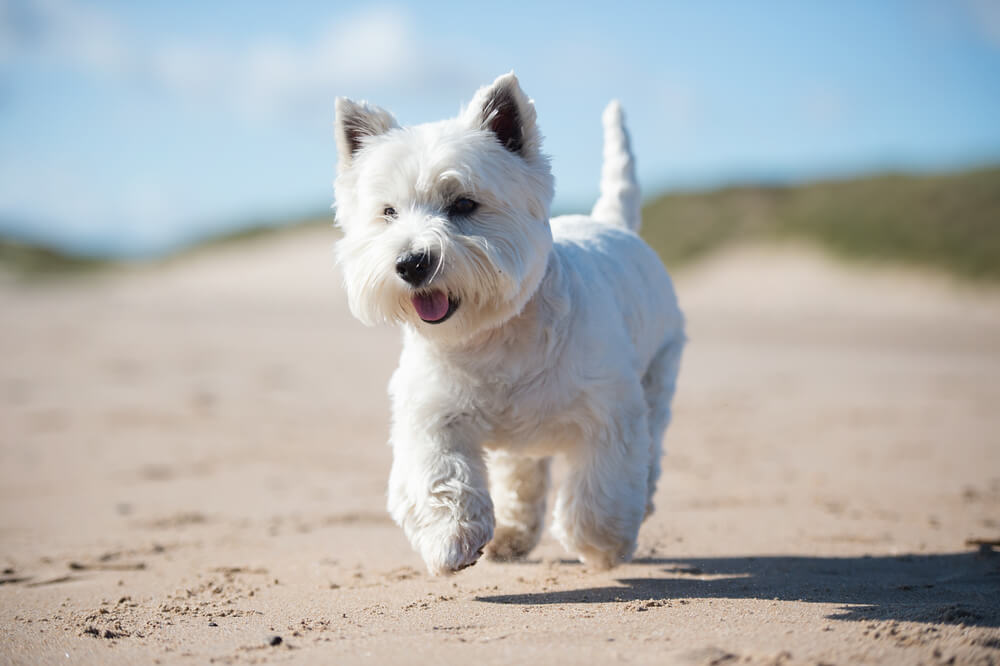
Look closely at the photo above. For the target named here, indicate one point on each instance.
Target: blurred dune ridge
(949, 222)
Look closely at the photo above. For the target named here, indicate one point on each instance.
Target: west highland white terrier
(524, 337)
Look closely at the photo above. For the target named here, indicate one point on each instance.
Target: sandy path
(193, 460)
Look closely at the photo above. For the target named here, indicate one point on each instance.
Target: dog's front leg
(438, 493)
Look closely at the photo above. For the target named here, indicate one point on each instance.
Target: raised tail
(619, 203)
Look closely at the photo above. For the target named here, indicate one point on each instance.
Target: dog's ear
(355, 121)
(503, 108)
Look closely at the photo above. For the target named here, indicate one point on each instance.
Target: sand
(194, 463)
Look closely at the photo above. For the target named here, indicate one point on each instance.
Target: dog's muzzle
(414, 267)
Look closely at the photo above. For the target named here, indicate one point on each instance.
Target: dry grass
(949, 221)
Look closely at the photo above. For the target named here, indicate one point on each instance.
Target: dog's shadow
(952, 588)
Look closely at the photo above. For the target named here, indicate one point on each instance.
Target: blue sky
(130, 127)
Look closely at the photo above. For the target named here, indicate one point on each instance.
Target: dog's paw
(510, 544)
(602, 560)
(454, 546)
(593, 542)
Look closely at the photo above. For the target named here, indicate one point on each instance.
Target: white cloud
(56, 31)
(376, 48)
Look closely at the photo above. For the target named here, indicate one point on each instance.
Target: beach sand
(193, 464)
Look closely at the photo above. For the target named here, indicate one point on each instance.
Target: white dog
(524, 337)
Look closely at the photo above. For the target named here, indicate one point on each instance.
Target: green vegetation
(261, 230)
(949, 221)
(30, 261)
(34, 261)
(255, 232)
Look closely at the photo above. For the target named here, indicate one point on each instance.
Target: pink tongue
(432, 306)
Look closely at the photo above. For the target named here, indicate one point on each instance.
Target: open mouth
(434, 307)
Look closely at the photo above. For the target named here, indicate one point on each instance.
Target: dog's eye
(389, 211)
(462, 207)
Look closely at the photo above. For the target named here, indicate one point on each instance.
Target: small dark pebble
(93, 631)
(8, 571)
(213, 624)
(274, 640)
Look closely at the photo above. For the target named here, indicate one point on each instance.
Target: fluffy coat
(561, 336)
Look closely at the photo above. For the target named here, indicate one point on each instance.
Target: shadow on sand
(956, 588)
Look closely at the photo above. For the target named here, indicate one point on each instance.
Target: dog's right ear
(503, 109)
(356, 121)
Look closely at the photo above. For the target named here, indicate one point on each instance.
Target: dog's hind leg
(601, 503)
(659, 384)
(518, 485)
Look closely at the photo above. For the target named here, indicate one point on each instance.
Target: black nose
(414, 267)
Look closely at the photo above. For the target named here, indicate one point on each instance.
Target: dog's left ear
(504, 109)
(356, 121)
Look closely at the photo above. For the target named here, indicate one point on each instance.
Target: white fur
(566, 340)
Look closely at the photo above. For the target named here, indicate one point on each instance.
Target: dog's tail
(619, 203)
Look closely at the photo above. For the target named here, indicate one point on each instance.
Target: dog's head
(445, 224)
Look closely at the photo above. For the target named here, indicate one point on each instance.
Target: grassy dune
(28, 260)
(32, 261)
(949, 221)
